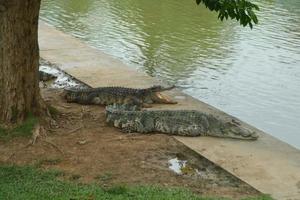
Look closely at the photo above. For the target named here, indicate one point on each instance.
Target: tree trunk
(19, 60)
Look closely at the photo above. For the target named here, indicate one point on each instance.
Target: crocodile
(45, 76)
(174, 122)
(120, 95)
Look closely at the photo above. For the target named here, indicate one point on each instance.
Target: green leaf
(241, 10)
(198, 1)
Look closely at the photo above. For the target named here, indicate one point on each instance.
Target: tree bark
(19, 60)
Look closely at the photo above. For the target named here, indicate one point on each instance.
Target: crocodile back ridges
(119, 90)
(174, 122)
(121, 95)
(178, 122)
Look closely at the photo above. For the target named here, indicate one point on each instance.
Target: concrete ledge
(268, 164)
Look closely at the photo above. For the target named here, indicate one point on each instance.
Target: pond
(251, 74)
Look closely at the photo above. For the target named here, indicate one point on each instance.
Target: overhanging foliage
(241, 10)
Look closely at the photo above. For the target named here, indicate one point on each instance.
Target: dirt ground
(87, 150)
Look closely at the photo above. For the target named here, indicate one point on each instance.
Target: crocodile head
(238, 132)
(159, 88)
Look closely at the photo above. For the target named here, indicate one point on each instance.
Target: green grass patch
(104, 177)
(23, 130)
(74, 177)
(31, 183)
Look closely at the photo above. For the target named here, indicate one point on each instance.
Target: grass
(23, 130)
(104, 177)
(31, 183)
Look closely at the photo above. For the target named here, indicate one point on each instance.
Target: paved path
(269, 165)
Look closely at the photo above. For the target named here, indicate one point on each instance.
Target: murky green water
(251, 74)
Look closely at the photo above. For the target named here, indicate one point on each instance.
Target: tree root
(54, 145)
(38, 132)
(75, 130)
(22, 148)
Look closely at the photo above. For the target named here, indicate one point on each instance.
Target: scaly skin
(120, 95)
(174, 122)
(44, 76)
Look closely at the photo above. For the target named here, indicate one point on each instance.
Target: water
(62, 79)
(176, 165)
(251, 74)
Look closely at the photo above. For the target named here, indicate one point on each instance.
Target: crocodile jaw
(241, 134)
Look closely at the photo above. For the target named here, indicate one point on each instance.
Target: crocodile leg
(133, 101)
(146, 105)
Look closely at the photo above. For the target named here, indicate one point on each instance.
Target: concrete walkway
(269, 165)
